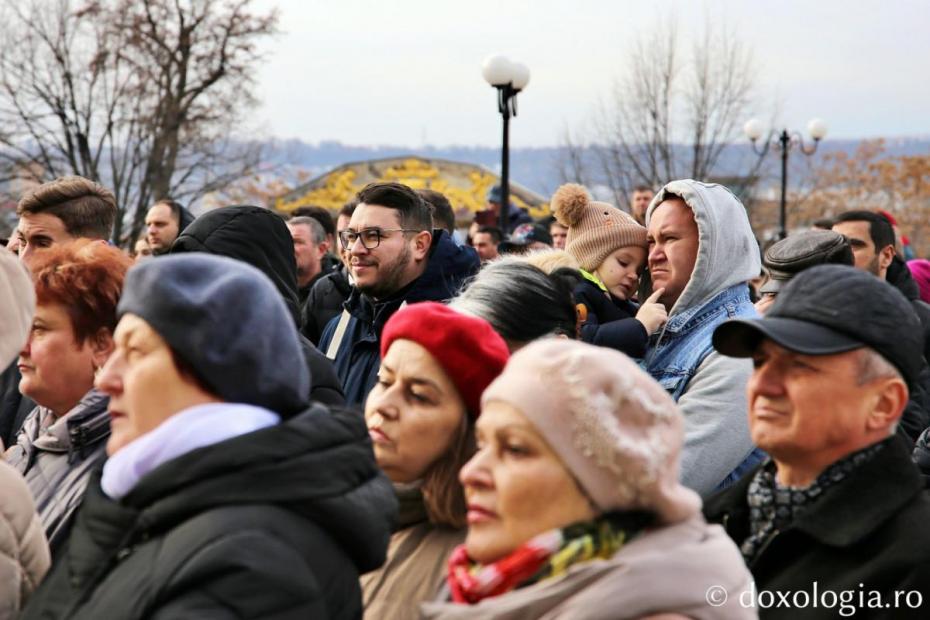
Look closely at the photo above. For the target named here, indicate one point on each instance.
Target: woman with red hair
(63, 439)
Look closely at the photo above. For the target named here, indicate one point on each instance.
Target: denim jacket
(710, 389)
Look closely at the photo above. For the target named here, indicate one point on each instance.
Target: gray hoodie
(710, 389)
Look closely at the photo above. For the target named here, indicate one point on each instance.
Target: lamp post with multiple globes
(784, 142)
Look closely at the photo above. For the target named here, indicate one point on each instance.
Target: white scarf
(192, 428)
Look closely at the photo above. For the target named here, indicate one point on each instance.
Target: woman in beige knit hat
(574, 505)
(610, 246)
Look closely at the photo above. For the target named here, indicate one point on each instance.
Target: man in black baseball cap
(833, 361)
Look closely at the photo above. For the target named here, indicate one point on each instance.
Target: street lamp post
(784, 142)
(509, 78)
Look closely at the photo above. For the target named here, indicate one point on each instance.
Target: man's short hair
(441, 209)
(87, 209)
(880, 229)
(644, 188)
(176, 209)
(413, 210)
(348, 209)
(321, 215)
(317, 232)
(494, 231)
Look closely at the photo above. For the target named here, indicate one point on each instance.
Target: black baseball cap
(831, 309)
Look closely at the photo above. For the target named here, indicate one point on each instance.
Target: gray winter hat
(17, 305)
(226, 319)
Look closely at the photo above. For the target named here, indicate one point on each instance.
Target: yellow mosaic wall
(464, 185)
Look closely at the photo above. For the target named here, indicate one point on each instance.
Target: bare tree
(672, 115)
(141, 95)
(571, 160)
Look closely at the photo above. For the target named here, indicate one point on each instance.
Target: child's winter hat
(595, 229)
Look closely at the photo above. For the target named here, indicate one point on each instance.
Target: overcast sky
(408, 72)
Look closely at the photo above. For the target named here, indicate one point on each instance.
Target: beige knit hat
(614, 428)
(595, 229)
(17, 304)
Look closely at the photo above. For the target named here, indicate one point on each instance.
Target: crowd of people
(616, 412)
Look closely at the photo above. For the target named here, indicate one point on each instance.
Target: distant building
(465, 185)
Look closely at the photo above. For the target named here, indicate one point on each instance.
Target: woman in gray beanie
(226, 493)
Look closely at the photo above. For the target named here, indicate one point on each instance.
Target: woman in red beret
(435, 363)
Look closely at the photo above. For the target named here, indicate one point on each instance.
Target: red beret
(467, 348)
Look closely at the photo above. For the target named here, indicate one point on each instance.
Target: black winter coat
(325, 302)
(278, 523)
(610, 321)
(14, 407)
(900, 277)
(260, 238)
(870, 529)
(359, 354)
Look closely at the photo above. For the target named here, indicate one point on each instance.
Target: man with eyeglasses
(395, 258)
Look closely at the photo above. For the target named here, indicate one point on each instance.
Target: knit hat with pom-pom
(595, 229)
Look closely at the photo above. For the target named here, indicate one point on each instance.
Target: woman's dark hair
(520, 301)
(443, 494)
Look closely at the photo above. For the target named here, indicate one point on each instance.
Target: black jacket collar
(848, 512)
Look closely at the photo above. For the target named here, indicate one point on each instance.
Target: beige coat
(415, 568)
(24, 556)
(675, 569)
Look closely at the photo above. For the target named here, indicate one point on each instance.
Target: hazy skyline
(408, 72)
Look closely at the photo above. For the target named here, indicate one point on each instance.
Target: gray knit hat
(595, 229)
(226, 319)
(17, 305)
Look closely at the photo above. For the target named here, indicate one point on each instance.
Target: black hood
(187, 218)
(253, 235)
(319, 465)
(899, 276)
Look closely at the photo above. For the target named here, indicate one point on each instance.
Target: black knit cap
(831, 309)
(227, 320)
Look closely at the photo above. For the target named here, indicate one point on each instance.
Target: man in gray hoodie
(702, 253)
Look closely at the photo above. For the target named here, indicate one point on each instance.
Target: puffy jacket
(610, 321)
(358, 356)
(278, 523)
(24, 557)
(57, 461)
(710, 388)
(260, 238)
(324, 302)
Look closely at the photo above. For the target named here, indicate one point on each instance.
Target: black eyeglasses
(370, 237)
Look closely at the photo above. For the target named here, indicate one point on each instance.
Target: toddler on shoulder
(611, 248)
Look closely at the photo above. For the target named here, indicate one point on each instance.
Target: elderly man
(839, 506)
(310, 247)
(703, 283)
(794, 254)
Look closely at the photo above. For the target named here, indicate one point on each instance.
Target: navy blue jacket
(359, 354)
(610, 321)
